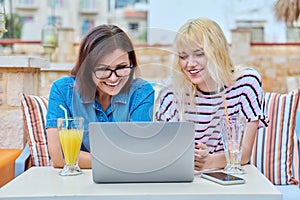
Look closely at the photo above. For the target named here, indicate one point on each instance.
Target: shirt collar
(122, 97)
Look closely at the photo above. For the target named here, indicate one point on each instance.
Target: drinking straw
(66, 114)
(227, 120)
(226, 112)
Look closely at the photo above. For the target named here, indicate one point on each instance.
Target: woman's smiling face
(194, 64)
(113, 84)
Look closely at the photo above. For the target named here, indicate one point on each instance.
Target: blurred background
(40, 38)
(26, 18)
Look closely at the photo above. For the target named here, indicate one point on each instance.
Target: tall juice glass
(233, 133)
(70, 132)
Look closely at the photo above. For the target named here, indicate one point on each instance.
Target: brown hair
(99, 42)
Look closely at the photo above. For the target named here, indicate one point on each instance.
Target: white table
(45, 183)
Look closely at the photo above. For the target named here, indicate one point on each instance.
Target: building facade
(258, 16)
(80, 15)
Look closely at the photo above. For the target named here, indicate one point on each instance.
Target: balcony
(26, 7)
(135, 14)
(88, 11)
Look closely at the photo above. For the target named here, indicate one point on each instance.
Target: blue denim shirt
(133, 105)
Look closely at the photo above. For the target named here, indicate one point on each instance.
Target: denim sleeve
(58, 96)
(142, 105)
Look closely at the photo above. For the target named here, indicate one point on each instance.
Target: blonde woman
(205, 79)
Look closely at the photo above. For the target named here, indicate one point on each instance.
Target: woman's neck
(104, 100)
(209, 86)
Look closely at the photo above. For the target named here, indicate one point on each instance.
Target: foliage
(287, 11)
(143, 36)
(15, 28)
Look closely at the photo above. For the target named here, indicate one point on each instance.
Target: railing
(10, 41)
(275, 44)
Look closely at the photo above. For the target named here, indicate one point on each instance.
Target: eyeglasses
(105, 73)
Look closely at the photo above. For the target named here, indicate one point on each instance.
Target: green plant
(15, 28)
(143, 36)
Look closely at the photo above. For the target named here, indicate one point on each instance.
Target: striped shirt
(245, 97)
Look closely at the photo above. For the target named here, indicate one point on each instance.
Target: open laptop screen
(142, 151)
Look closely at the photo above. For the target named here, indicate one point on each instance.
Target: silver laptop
(142, 151)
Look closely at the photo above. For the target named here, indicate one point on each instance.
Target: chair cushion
(7, 160)
(296, 162)
(34, 110)
(274, 149)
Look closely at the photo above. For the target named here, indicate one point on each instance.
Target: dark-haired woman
(102, 87)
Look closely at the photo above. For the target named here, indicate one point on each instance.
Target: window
(55, 20)
(133, 26)
(27, 19)
(293, 34)
(55, 3)
(86, 26)
(256, 29)
(88, 4)
(26, 2)
(257, 34)
(123, 3)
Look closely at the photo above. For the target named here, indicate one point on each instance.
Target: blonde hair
(206, 34)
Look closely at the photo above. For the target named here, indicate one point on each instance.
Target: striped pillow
(296, 162)
(34, 110)
(274, 148)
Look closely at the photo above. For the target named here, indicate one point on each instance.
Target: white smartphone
(222, 178)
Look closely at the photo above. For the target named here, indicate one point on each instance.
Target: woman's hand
(56, 154)
(54, 148)
(201, 155)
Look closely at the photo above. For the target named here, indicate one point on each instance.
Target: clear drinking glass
(233, 130)
(70, 132)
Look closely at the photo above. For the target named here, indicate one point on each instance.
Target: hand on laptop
(201, 155)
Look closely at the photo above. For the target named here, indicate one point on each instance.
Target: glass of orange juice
(70, 132)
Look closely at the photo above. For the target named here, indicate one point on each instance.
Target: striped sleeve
(167, 107)
(252, 97)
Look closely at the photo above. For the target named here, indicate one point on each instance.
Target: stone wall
(17, 74)
(278, 64)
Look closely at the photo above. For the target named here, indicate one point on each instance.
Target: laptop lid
(142, 151)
